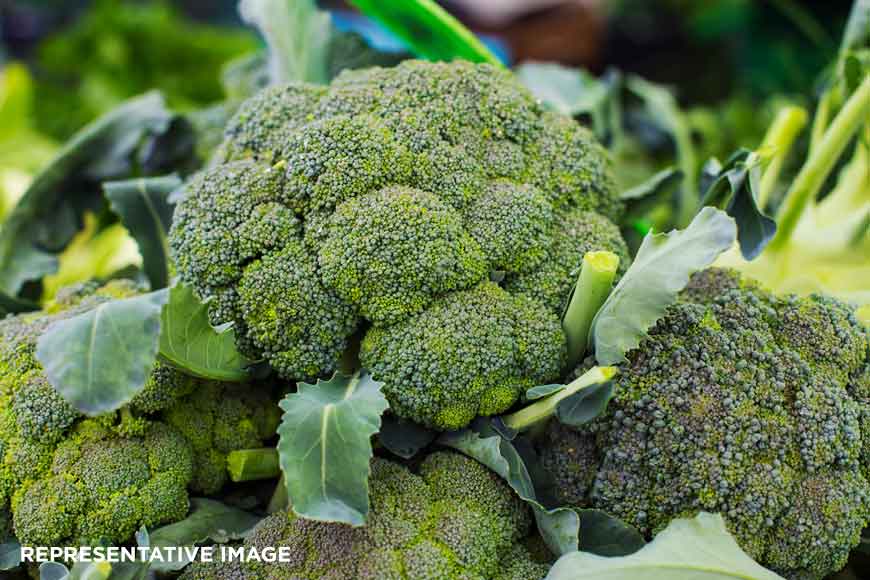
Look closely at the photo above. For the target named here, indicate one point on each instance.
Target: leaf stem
(778, 140)
(593, 286)
(253, 464)
(542, 410)
(821, 162)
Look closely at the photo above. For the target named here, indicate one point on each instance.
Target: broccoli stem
(542, 410)
(593, 286)
(820, 120)
(778, 141)
(280, 500)
(253, 464)
(821, 162)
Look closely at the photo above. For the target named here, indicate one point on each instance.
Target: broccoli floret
(218, 418)
(454, 519)
(742, 403)
(371, 201)
(103, 487)
(470, 353)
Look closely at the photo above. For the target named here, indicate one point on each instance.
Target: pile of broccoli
(67, 479)
(742, 403)
(382, 206)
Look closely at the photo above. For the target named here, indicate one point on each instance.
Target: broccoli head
(742, 403)
(453, 519)
(393, 192)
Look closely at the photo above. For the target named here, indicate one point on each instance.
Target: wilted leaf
(688, 549)
(100, 359)
(208, 521)
(190, 342)
(325, 446)
(659, 272)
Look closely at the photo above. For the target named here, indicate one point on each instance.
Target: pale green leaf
(191, 343)
(659, 272)
(566, 90)
(100, 360)
(10, 555)
(688, 549)
(325, 446)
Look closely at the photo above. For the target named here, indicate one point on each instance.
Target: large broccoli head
(372, 201)
(742, 403)
(452, 520)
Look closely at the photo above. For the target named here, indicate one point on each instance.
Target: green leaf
(428, 30)
(662, 182)
(584, 405)
(208, 521)
(53, 571)
(688, 549)
(659, 272)
(734, 188)
(605, 535)
(46, 218)
(541, 391)
(10, 555)
(191, 343)
(100, 359)
(566, 90)
(144, 208)
(559, 527)
(404, 438)
(325, 446)
(857, 32)
(297, 33)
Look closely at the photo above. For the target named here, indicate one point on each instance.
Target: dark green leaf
(325, 446)
(190, 342)
(662, 182)
(404, 438)
(10, 555)
(427, 29)
(584, 405)
(349, 50)
(208, 520)
(100, 359)
(558, 527)
(45, 219)
(145, 211)
(605, 535)
(541, 391)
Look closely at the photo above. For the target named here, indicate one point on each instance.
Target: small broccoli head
(218, 418)
(103, 487)
(737, 404)
(453, 520)
(470, 353)
(367, 202)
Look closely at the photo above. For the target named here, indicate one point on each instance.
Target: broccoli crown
(101, 487)
(483, 347)
(371, 201)
(453, 520)
(218, 418)
(743, 403)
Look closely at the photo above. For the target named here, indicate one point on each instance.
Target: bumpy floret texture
(482, 346)
(453, 520)
(367, 202)
(746, 404)
(102, 487)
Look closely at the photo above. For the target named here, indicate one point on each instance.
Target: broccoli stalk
(253, 464)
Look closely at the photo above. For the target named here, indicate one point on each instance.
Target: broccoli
(65, 478)
(453, 519)
(384, 204)
(743, 403)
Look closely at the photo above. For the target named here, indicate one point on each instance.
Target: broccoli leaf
(404, 438)
(584, 405)
(190, 342)
(734, 188)
(144, 209)
(10, 555)
(324, 446)
(559, 527)
(687, 549)
(605, 535)
(298, 36)
(100, 359)
(53, 571)
(662, 182)
(208, 520)
(428, 30)
(541, 391)
(659, 272)
(566, 90)
(46, 217)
